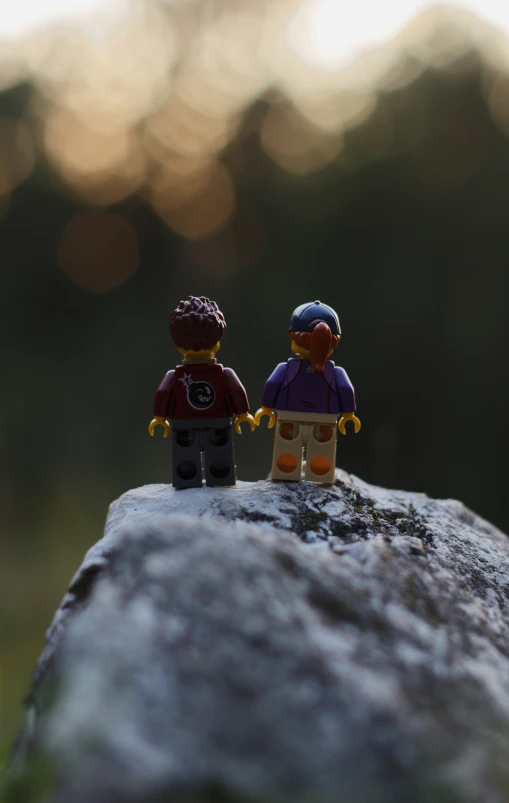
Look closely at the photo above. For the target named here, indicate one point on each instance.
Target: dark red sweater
(204, 390)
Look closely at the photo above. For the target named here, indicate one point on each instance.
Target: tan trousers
(316, 433)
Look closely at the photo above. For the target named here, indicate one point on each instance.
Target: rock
(278, 642)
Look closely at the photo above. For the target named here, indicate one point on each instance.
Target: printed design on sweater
(200, 395)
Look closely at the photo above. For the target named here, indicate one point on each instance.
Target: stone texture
(279, 642)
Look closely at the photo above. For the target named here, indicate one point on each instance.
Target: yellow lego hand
(162, 422)
(244, 417)
(348, 417)
(265, 411)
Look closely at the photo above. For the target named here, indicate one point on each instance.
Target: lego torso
(199, 391)
(307, 391)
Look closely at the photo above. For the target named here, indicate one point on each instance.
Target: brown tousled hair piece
(197, 324)
(319, 342)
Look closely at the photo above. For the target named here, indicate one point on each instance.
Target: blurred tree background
(263, 156)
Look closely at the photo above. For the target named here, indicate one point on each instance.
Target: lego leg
(321, 453)
(217, 445)
(186, 455)
(287, 457)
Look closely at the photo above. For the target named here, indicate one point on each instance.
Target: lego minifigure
(309, 394)
(200, 397)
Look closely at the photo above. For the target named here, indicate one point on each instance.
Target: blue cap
(305, 318)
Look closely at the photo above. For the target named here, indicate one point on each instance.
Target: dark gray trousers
(212, 437)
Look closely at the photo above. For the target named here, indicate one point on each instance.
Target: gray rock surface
(279, 642)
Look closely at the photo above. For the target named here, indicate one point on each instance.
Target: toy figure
(200, 397)
(309, 393)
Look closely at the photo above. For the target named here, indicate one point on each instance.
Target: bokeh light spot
(25, 16)
(98, 250)
(123, 83)
(329, 34)
(77, 148)
(295, 144)
(207, 212)
(182, 129)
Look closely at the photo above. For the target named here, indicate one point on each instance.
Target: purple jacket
(294, 386)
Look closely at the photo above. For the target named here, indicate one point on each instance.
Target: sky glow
(330, 34)
(21, 18)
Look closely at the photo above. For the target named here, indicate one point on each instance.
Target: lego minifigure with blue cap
(309, 394)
